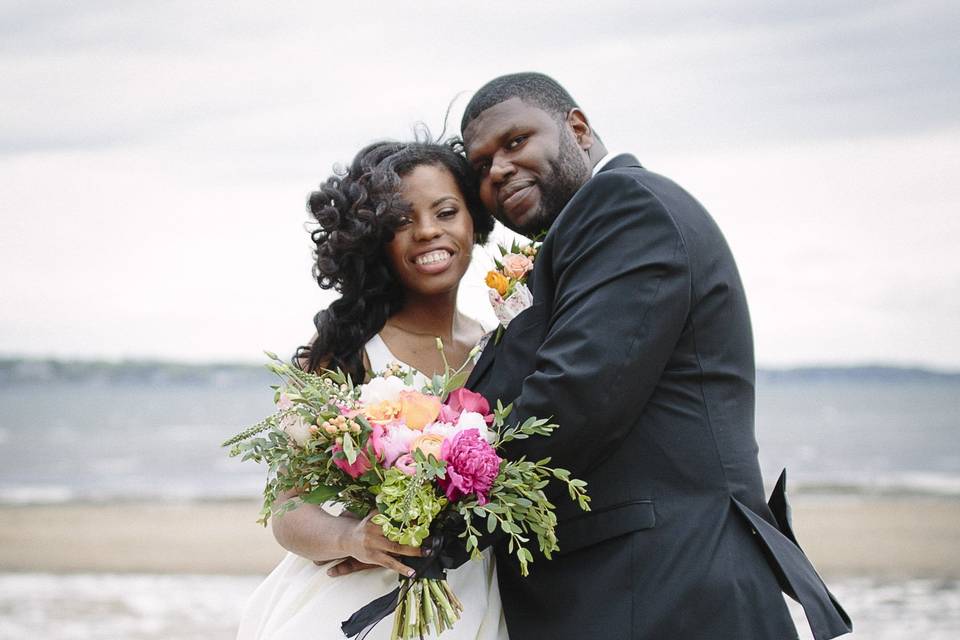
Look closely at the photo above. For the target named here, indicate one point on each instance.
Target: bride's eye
(447, 213)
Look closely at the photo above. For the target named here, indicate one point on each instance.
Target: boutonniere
(509, 294)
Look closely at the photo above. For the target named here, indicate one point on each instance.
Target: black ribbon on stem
(432, 566)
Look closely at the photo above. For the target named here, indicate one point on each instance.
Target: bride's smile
(431, 246)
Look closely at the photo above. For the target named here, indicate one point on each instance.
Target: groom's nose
(500, 169)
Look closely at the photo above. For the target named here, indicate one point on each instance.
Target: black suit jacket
(639, 346)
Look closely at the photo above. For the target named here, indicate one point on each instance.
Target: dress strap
(379, 354)
(380, 357)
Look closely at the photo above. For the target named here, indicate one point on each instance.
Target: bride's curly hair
(357, 211)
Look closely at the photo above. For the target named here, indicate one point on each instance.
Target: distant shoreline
(21, 370)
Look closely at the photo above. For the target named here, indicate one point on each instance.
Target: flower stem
(443, 602)
(410, 626)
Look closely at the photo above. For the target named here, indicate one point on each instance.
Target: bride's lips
(433, 261)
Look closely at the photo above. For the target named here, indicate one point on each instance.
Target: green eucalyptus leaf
(349, 449)
(321, 494)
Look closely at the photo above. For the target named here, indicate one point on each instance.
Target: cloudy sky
(155, 157)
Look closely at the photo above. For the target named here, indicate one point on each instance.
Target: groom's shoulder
(669, 197)
(642, 177)
(619, 189)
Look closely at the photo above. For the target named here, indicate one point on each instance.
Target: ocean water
(98, 441)
(95, 441)
(183, 607)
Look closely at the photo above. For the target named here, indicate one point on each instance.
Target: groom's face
(528, 162)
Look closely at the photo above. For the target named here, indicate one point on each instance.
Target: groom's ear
(580, 128)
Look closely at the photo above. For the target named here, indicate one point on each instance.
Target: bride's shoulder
(473, 329)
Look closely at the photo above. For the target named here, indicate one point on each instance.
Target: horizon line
(217, 362)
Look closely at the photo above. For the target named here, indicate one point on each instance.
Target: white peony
(380, 389)
(473, 420)
(295, 427)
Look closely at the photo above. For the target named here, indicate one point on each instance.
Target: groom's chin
(529, 224)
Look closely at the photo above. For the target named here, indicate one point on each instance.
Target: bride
(394, 237)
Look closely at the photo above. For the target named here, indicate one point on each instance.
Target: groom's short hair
(533, 88)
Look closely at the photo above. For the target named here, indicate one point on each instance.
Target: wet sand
(895, 537)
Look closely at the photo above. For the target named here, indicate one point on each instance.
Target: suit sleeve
(622, 282)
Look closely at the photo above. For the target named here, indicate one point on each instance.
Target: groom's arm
(622, 299)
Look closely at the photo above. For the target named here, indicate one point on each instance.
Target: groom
(639, 346)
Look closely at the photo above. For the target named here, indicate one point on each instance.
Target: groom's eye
(516, 142)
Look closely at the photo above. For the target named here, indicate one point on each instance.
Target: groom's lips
(516, 195)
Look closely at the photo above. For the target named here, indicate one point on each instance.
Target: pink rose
(463, 399)
(472, 466)
(362, 464)
(516, 266)
(406, 464)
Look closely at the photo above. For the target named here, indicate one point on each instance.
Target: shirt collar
(603, 162)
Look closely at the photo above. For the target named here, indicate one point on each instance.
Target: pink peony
(461, 400)
(472, 466)
(393, 441)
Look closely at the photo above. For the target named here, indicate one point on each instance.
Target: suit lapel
(486, 359)
(489, 355)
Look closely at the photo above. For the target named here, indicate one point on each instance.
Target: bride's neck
(434, 315)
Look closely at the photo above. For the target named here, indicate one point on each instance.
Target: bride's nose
(426, 229)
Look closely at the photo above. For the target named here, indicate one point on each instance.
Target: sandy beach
(845, 536)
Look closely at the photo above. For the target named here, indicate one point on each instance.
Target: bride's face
(431, 249)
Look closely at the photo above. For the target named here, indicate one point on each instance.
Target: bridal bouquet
(508, 291)
(418, 456)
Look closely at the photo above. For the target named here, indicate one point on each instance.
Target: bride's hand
(368, 548)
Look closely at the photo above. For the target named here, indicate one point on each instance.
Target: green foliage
(518, 505)
(407, 505)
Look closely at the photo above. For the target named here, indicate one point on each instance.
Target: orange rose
(382, 412)
(498, 281)
(418, 410)
(428, 443)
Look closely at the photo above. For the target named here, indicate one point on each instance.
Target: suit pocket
(611, 522)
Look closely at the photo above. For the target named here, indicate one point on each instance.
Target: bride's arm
(312, 533)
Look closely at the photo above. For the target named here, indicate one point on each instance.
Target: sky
(155, 158)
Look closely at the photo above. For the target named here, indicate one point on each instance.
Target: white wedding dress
(299, 601)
